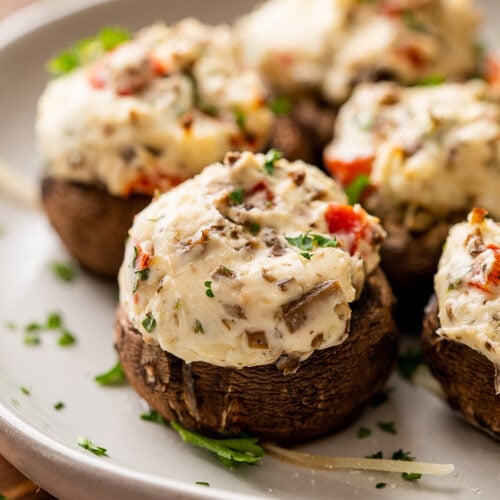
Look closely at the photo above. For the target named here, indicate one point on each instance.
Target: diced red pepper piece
(142, 258)
(412, 54)
(492, 68)
(345, 171)
(490, 282)
(149, 183)
(343, 218)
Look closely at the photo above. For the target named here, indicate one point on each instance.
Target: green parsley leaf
(25, 390)
(236, 196)
(88, 445)
(404, 456)
(64, 271)
(141, 275)
(409, 361)
(149, 323)
(31, 339)
(87, 50)
(202, 483)
(59, 405)
(230, 452)
(11, 325)
(153, 416)
(54, 321)
(379, 486)
(115, 376)
(306, 255)
(355, 189)
(364, 432)
(432, 80)
(377, 454)
(411, 476)
(254, 228)
(389, 427)
(381, 397)
(66, 339)
(33, 327)
(272, 156)
(309, 241)
(240, 118)
(281, 106)
(198, 327)
(208, 291)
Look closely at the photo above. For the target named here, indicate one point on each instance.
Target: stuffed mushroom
(251, 301)
(422, 157)
(316, 51)
(461, 337)
(143, 117)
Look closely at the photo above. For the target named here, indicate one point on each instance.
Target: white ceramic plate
(147, 460)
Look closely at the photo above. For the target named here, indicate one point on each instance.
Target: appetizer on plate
(251, 301)
(142, 117)
(316, 51)
(461, 337)
(422, 158)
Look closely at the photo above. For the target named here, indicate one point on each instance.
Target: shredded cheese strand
(354, 463)
(18, 187)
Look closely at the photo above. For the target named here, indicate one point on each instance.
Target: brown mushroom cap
(467, 377)
(325, 394)
(92, 223)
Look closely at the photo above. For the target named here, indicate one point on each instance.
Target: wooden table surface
(13, 484)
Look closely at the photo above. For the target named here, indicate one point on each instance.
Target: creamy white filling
(431, 147)
(467, 286)
(328, 45)
(223, 283)
(119, 125)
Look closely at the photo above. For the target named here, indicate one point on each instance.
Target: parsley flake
(236, 196)
(409, 361)
(11, 325)
(59, 405)
(88, 445)
(271, 157)
(230, 452)
(149, 323)
(153, 416)
(198, 327)
(405, 456)
(356, 188)
(389, 427)
(87, 50)
(208, 291)
(432, 80)
(379, 486)
(140, 275)
(114, 376)
(66, 339)
(411, 476)
(306, 255)
(376, 455)
(364, 432)
(281, 106)
(25, 390)
(309, 242)
(202, 483)
(254, 228)
(64, 271)
(381, 397)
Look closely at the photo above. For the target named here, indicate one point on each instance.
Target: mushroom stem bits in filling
(252, 262)
(154, 111)
(461, 337)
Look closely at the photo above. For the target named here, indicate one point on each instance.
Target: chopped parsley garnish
(409, 361)
(115, 376)
(140, 275)
(377, 455)
(198, 327)
(413, 23)
(59, 405)
(153, 416)
(208, 291)
(54, 322)
(432, 80)
(87, 50)
(364, 432)
(381, 397)
(64, 271)
(254, 228)
(88, 445)
(272, 156)
(281, 106)
(202, 483)
(240, 118)
(25, 390)
(405, 456)
(309, 242)
(389, 427)
(149, 323)
(230, 452)
(11, 325)
(236, 196)
(355, 189)
(66, 339)
(379, 486)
